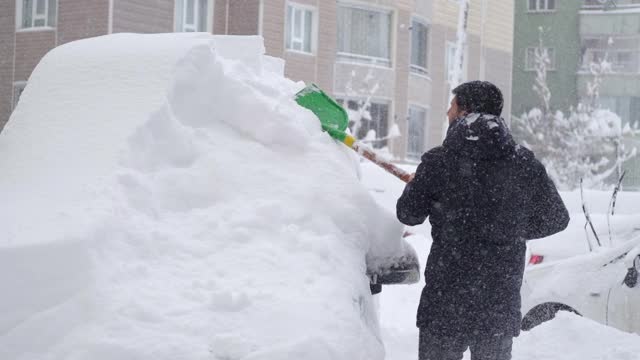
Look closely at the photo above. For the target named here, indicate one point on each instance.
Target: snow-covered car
(173, 193)
(601, 285)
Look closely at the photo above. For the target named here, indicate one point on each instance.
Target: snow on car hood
(164, 197)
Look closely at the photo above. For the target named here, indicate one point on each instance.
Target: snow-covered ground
(568, 336)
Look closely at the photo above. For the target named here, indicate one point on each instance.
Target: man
(484, 196)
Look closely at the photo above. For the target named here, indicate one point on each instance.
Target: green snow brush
(334, 121)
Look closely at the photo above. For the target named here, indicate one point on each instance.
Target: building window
(368, 120)
(192, 15)
(419, 46)
(37, 13)
(541, 5)
(364, 35)
(530, 58)
(416, 132)
(300, 28)
(18, 88)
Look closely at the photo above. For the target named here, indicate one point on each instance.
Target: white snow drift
(163, 197)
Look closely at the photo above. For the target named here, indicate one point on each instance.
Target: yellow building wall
(491, 20)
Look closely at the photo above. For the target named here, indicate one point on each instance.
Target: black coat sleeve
(419, 195)
(548, 213)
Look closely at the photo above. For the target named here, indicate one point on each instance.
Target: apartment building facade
(387, 61)
(577, 34)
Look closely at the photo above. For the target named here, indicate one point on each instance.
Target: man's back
(484, 196)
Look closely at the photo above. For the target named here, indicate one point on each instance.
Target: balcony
(623, 18)
(623, 61)
(610, 4)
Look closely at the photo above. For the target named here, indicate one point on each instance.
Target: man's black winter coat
(484, 196)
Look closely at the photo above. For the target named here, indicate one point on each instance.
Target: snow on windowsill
(420, 74)
(583, 72)
(35, 29)
(369, 61)
(360, 63)
(620, 9)
(540, 11)
(298, 52)
(534, 70)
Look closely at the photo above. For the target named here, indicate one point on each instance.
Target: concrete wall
(7, 44)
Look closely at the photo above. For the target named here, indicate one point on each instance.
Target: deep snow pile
(163, 197)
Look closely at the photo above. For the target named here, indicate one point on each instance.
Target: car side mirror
(402, 273)
(631, 279)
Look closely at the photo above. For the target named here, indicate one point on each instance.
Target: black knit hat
(479, 97)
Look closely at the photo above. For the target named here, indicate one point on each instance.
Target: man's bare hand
(412, 176)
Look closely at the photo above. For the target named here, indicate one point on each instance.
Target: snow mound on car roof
(164, 197)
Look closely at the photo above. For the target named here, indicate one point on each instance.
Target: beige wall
(30, 48)
(239, 17)
(143, 16)
(401, 88)
(327, 44)
(220, 17)
(79, 19)
(244, 17)
(273, 26)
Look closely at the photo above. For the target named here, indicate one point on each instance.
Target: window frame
(313, 37)
(50, 16)
(381, 142)
(552, 58)
(415, 68)
(179, 25)
(410, 155)
(349, 57)
(545, 9)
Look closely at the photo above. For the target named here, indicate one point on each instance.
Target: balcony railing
(610, 4)
(357, 58)
(625, 61)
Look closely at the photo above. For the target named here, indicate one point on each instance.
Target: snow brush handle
(369, 154)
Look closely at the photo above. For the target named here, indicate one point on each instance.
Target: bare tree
(582, 144)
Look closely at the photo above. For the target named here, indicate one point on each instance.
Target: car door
(624, 299)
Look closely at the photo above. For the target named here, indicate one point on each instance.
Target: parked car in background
(601, 285)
